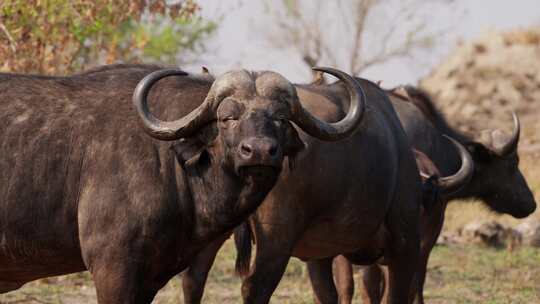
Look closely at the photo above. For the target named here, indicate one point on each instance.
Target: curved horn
(168, 130)
(511, 145)
(343, 128)
(454, 182)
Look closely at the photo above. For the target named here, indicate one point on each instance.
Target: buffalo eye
(279, 121)
(229, 118)
(279, 117)
(229, 121)
(229, 110)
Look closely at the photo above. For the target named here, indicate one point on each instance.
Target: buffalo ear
(479, 152)
(293, 145)
(191, 151)
(430, 193)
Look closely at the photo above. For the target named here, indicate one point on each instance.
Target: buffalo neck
(221, 199)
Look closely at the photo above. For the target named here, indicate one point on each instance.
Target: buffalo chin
(258, 173)
(521, 213)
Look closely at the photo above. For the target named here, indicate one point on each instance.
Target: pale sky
(239, 44)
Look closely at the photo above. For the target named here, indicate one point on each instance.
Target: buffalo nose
(246, 150)
(258, 149)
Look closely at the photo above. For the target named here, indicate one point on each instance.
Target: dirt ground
(458, 274)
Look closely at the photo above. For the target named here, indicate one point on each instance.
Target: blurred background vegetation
(62, 36)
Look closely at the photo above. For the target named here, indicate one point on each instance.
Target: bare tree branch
(337, 32)
(363, 8)
(12, 43)
(413, 41)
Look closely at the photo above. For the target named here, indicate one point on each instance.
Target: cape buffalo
(497, 181)
(320, 270)
(84, 188)
(339, 199)
(425, 126)
(432, 192)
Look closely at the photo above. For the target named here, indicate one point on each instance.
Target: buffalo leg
(402, 260)
(420, 278)
(430, 233)
(343, 273)
(322, 282)
(372, 284)
(271, 258)
(194, 278)
(401, 270)
(119, 283)
(264, 278)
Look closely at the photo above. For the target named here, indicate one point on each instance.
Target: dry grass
(457, 274)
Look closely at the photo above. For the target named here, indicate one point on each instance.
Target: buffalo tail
(242, 241)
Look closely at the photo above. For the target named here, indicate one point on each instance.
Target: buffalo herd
(137, 173)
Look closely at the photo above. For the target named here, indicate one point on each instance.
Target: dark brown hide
(497, 181)
(424, 126)
(83, 187)
(367, 202)
(510, 195)
(435, 188)
(374, 281)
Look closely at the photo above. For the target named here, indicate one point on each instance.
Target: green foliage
(60, 36)
(163, 39)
